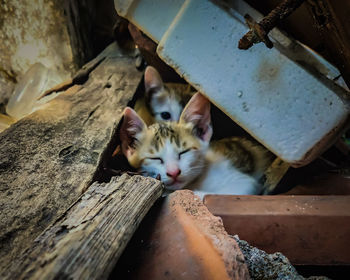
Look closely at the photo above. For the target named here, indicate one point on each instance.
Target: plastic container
(33, 84)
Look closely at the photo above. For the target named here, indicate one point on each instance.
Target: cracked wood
(50, 157)
(87, 240)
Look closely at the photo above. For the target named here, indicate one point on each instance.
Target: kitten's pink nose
(173, 173)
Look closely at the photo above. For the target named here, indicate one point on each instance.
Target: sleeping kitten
(162, 101)
(180, 153)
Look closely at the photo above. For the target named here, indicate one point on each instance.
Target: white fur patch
(170, 105)
(222, 178)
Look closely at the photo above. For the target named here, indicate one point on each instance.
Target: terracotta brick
(324, 184)
(309, 230)
(182, 240)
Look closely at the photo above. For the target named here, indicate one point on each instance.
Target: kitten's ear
(153, 81)
(197, 112)
(131, 126)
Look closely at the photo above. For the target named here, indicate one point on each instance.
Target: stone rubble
(264, 266)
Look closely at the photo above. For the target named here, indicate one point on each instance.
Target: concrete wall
(32, 31)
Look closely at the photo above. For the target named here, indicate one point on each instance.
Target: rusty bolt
(259, 31)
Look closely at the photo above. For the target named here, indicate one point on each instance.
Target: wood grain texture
(274, 175)
(90, 25)
(50, 157)
(331, 19)
(87, 240)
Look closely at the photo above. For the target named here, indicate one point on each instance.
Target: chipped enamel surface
(153, 17)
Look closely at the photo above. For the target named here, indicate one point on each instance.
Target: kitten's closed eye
(165, 115)
(184, 152)
(156, 158)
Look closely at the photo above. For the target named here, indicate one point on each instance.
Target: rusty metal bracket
(259, 30)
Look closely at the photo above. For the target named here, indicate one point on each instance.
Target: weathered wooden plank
(274, 175)
(50, 157)
(86, 242)
(331, 18)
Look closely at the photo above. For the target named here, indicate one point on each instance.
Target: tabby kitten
(180, 153)
(162, 101)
